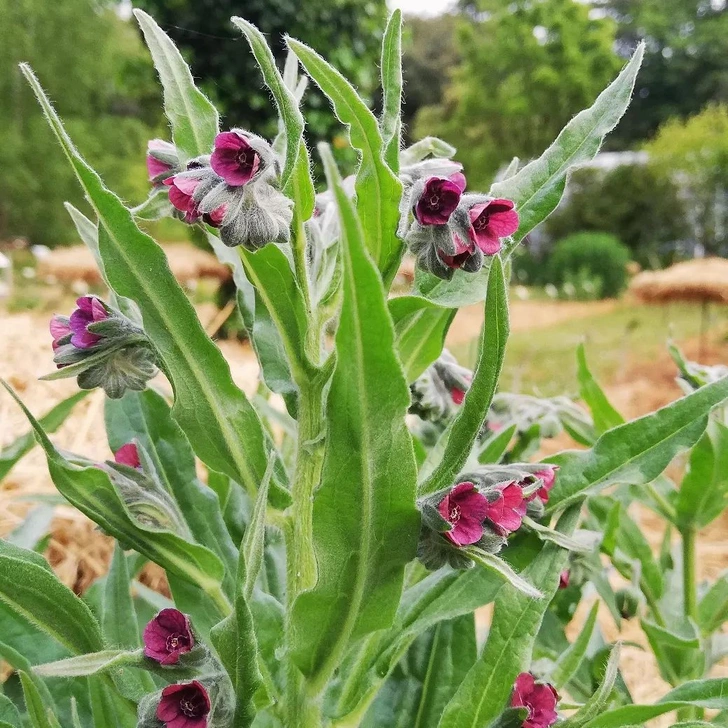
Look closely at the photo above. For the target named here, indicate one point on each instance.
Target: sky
(421, 7)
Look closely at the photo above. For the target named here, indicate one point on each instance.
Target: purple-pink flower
(181, 191)
(168, 636)
(506, 512)
(489, 222)
(564, 579)
(157, 149)
(548, 476)
(464, 508)
(539, 698)
(439, 199)
(128, 455)
(185, 705)
(60, 328)
(90, 310)
(234, 159)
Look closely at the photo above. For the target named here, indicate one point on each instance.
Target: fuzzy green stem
(221, 601)
(690, 587)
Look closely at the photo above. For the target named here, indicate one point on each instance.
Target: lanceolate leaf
(569, 660)
(51, 421)
(193, 118)
(221, 424)
(40, 714)
(420, 327)
(516, 619)
(32, 590)
(391, 70)
(473, 411)
(638, 451)
(365, 524)
(604, 415)
(538, 187)
(378, 190)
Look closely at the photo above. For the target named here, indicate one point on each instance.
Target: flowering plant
(327, 571)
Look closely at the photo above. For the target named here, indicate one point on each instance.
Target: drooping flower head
(464, 508)
(182, 189)
(234, 159)
(507, 509)
(168, 636)
(539, 698)
(162, 158)
(440, 196)
(185, 705)
(489, 222)
(89, 310)
(128, 455)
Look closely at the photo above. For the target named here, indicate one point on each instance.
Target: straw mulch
(701, 279)
(70, 265)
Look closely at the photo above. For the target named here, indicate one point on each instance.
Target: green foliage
(638, 204)
(513, 91)
(600, 256)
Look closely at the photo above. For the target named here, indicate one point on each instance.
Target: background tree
(526, 68)
(686, 59)
(347, 32)
(101, 78)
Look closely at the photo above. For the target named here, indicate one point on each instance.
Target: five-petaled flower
(128, 455)
(234, 159)
(507, 510)
(489, 222)
(168, 636)
(539, 698)
(90, 310)
(439, 199)
(185, 705)
(465, 509)
(181, 195)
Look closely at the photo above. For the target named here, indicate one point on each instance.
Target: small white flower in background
(40, 252)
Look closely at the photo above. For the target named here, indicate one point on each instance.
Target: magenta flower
(458, 395)
(184, 705)
(234, 159)
(506, 512)
(439, 199)
(158, 151)
(90, 310)
(128, 455)
(564, 579)
(181, 191)
(464, 508)
(60, 328)
(491, 221)
(548, 475)
(168, 636)
(539, 698)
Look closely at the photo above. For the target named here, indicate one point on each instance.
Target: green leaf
(484, 692)
(494, 448)
(538, 187)
(90, 490)
(221, 424)
(8, 712)
(713, 607)
(108, 708)
(51, 421)
(90, 664)
(420, 327)
(571, 658)
(30, 588)
(155, 207)
(365, 523)
(391, 72)
(703, 493)
(604, 415)
(472, 413)
(193, 118)
(40, 714)
(253, 545)
(378, 191)
(677, 649)
(284, 97)
(710, 693)
(638, 451)
(34, 528)
(500, 567)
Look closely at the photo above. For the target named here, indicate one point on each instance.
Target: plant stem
(690, 587)
(221, 601)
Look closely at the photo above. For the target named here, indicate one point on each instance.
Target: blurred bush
(638, 204)
(589, 265)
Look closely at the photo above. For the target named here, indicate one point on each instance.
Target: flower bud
(128, 455)
(168, 636)
(539, 698)
(438, 392)
(628, 601)
(564, 579)
(162, 160)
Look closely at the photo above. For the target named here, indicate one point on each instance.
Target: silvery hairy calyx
(327, 542)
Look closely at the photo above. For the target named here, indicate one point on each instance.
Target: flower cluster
(447, 229)
(102, 348)
(539, 698)
(441, 389)
(234, 189)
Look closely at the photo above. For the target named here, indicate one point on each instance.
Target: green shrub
(596, 257)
